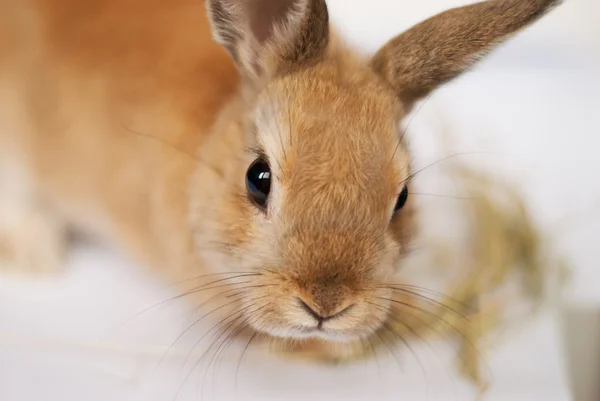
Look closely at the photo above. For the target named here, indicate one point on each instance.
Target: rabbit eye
(258, 182)
(401, 201)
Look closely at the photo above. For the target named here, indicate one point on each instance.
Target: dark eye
(258, 182)
(402, 198)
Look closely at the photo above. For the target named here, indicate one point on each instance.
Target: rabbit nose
(318, 313)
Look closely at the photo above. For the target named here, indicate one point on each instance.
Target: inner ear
(268, 36)
(266, 15)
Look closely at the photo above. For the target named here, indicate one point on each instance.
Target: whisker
(221, 322)
(417, 335)
(252, 319)
(454, 328)
(239, 364)
(229, 340)
(405, 130)
(427, 343)
(420, 320)
(219, 334)
(205, 353)
(412, 351)
(236, 291)
(199, 289)
(172, 146)
(401, 286)
(384, 342)
(219, 347)
(442, 196)
(411, 176)
(236, 275)
(207, 301)
(247, 289)
(239, 311)
(373, 350)
(188, 329)
(429, 300)
(229, 294)
(185, 294)
(203, 288)
(433, 328)
(405, 342)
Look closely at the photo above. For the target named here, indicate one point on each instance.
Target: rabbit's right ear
(266, 37)
(444, 46)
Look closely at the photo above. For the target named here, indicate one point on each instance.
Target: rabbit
(227, 138)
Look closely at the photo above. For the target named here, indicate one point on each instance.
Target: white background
(536, 100)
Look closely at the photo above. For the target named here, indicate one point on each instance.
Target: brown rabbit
(273, 152)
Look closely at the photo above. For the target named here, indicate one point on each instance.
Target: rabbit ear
(444, 46)
(267, 36)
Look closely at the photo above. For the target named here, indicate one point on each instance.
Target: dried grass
(507, 266)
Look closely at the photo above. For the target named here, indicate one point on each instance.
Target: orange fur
(87, 73)
(123, 118)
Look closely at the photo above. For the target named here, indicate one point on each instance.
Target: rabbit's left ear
(444, 46)
(266, 37)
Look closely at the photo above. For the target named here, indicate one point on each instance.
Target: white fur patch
(274, 136)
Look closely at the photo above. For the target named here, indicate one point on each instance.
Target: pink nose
(319, 315)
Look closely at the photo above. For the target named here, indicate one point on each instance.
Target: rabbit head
(313, 196)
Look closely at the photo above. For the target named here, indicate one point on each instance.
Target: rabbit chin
(312, 333)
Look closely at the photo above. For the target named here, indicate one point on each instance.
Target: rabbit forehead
(336, 142)
(319, 114)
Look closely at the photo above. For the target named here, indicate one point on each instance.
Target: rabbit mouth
(320, 332)
(330, 335)
(315, 333)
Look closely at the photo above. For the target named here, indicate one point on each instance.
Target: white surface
(59, 342)
(536, 102)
